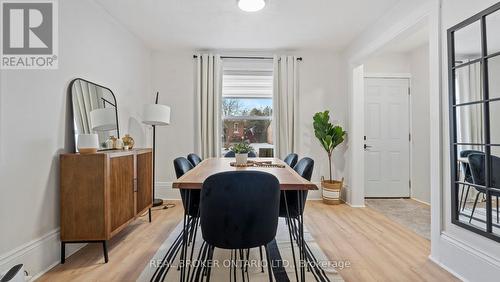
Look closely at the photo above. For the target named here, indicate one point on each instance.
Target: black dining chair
(292, 203)
(467, 175)
(239, 211)
(291, 159)
(231, 154)
(194, 159)
(478, 169)
(190, 201)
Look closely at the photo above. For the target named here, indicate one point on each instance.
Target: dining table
(289, 180)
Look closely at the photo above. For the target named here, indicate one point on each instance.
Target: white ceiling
(219, 24)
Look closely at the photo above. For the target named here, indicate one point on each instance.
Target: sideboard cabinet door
(121, 191)
(144, 181)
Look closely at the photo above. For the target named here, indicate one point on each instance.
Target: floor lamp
(156, 115)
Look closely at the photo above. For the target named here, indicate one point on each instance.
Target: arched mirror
(474, 85)
(95, 111)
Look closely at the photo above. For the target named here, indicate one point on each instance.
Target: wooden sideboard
(102, 193)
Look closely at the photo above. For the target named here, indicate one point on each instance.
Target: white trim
(495, 262)
(165, 191)
(388, 75)
(355, 206)
(435, 126)
(38, 255)
(447, 269)
(420, 201)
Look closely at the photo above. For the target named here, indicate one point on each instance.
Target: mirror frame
(73, 110)
(485, 102)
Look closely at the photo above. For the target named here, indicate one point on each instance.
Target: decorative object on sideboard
(241, 151)
(87, 143)
(95, 110)
(110, 143)
(128, 142)
(330, 136)
(156, 115)
(118, 144)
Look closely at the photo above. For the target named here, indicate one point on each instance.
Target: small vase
(241, 159)
(128, 141)
(110, 142)
(118, 144)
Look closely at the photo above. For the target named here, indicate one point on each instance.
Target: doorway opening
(396, 137)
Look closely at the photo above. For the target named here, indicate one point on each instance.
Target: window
(474, 85)
(247, 104)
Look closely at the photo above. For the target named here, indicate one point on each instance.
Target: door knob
(367, 147)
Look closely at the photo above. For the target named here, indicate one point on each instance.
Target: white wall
(322, 86)
(34, 125)
(460, 249)
(420, 130)
(389, 63)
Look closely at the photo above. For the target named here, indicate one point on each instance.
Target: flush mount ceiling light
(251, 5)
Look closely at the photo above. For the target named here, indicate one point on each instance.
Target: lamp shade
(87, 143)
(103, 119)
(156, 114)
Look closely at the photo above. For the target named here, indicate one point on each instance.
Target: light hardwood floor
(377, 248)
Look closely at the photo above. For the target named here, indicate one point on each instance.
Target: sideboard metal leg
(63, 252)
(105, 250)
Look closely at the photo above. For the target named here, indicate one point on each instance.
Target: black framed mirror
(95, 111)
(474, 94)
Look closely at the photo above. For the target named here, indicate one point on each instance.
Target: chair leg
(261, 260)
(474, 207)
(242, 265)
(289, 224)
(293, 249)
(497, 211)
(210, 256)
(269, 269)
(461, 197)
(466, 195)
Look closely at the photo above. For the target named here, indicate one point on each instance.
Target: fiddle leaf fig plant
(329, 135)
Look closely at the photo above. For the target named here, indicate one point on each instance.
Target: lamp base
(157, 202)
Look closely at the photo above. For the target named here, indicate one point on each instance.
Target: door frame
(408, 77)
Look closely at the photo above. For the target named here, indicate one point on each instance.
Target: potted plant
(241, 151)
(330, 136)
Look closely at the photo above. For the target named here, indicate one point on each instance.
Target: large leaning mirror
(474, 84)
(94, 111)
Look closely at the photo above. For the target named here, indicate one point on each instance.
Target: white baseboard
(355, 206)
(466, 262)
(451, 271)
(164, 190)
(420, 201)
(38, 255)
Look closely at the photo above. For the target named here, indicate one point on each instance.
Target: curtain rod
(255, 58)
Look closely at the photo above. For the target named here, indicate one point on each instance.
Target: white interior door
(387, 137)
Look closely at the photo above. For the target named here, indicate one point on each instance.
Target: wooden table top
(287, 177)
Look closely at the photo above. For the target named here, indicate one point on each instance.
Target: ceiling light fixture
(251, 5)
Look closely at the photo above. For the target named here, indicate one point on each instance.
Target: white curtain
(209, 89)
(285, 105)
(470, 118)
